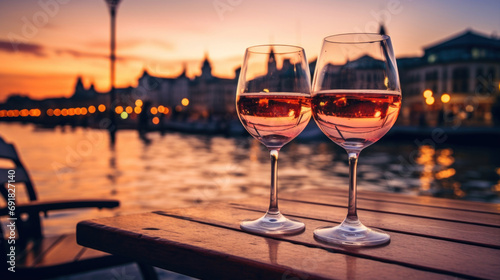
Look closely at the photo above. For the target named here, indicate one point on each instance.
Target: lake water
(180, 170)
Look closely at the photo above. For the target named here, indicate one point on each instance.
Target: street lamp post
(112, 128)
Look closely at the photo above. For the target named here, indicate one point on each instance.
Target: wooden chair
(39, 257)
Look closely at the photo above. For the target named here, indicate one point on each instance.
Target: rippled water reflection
(178, 170)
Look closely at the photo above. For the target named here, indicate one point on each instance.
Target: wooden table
(431, 238)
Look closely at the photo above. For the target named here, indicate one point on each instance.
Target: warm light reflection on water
(178, 170)
(426, 160)
(436, 170)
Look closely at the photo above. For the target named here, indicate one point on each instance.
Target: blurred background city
(135, 100)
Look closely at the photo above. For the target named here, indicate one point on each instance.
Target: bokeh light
(118, 109)
(445, 98)
(429, 100)
(428, 93)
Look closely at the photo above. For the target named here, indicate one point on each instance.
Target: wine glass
(273, 104)
(356, 99)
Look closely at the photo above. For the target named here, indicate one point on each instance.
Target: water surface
(181, 170)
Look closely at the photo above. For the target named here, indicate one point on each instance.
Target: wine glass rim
(356, 38)
(292, 48)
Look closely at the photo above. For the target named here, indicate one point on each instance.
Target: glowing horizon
(46, 44)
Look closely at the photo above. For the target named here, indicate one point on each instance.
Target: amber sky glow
(68, 38)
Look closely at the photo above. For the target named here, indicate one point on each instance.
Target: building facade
(207, 96)
(461, 78)
(455, 82)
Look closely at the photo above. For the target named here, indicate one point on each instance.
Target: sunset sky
(46, 44)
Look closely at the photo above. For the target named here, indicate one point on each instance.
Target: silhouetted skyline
(45, 44)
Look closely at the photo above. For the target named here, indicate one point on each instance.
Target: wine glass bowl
(274, 118)
(273, 104)
(356, 98)
(356, 119)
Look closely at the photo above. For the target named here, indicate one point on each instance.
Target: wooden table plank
(407, 250)
(210, 251)
(435, 202)
(453, 231)
(486, 219)
(430, 238)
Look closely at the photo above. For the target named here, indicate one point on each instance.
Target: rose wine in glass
(356, 99)
(273, 104)
(356, 119)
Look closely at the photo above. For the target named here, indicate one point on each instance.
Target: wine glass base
(347, 234)
(273, 224)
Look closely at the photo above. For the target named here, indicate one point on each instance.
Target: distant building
(208, 95)
(161, 90)
(213, 96)
(464, 68)
(460, 75)
(364, 72)
(283, 79)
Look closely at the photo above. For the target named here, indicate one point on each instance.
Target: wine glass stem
(273, 204)
(353, 163)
